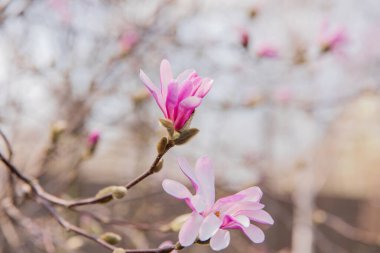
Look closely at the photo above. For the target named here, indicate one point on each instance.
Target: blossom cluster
(210, 220)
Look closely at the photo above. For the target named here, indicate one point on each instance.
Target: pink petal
(172, 100)
(185, 109)
(176, 189)
(185, 90)
(226, 202)
(254, 233)
(166, 76)
(205, 175)
(220, 240)
(154, 91)
(242, 206)
(204, 88)
(191, 102)
(242, 220)
(189, 230)
(210, 226)
(252, 194)
(188, 171)
(184, 75)
(260, 216)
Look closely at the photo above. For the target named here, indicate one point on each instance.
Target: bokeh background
(294, 109)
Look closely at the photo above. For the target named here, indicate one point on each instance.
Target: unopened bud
(57, 129)
(158, 167)
(111, 238)
(185, 136)
(92, 141)
(117, 192)
(244, 38)
(118, 250)
(161, 145)
(168, 125)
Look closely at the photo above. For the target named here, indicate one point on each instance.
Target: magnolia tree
(210, 220)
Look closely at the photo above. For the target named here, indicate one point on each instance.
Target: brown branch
(38, 190)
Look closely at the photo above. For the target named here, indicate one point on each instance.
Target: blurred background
(294, 109)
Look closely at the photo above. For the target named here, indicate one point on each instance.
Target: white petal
(188, 171)
(242, 219)
(220, 240)
(260, 216)
(205, 175)
(254, 233)
(176, 189)
(189, 230)
(209, 227)
(198, 203)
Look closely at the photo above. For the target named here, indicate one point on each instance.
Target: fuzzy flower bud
(111, 238)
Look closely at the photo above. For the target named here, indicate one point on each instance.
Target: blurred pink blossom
(93, 138)
(266, 50)
(178, 98)
(210, 219)
(128, 40)
(332, 38)
(283, 94)
(244, 38)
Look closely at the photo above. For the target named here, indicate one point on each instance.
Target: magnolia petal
(188, 171)
(204, 88)
(254, 233)
(252, 194)
(176, 189)
(166, 76)
(185, 110)
(260, 216)
(241, 207)
(172, 100)
(206, 178)
(209, 227)
(242, 220)
(223, 204)
(154, 91)
(185, 75)
(191, 102)
(189, 230)
(197, 203)
(220, 240)
(185, 90)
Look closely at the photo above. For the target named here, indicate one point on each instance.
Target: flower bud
(111, 238)
(244, 38)
(118, 250)
(185, 136)
(117, 192)
(168, 125)
(158, 167)
(92, 142)
(57, 129)
(161, 145)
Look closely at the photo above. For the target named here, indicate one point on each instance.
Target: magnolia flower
(213, 220)
(178, 97)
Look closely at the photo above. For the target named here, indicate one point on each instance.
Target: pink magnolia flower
(266, 50)
(331, 39)
(178, 97)
(213, 220)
